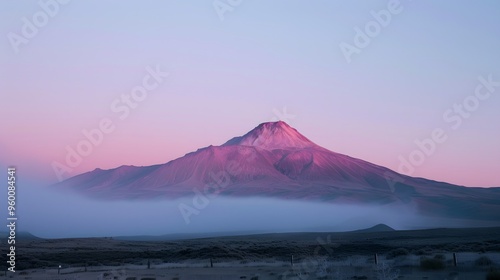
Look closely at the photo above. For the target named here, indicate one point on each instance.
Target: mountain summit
(275, 160)
(272, 135)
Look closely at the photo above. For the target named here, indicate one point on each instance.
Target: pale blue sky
(228, 76)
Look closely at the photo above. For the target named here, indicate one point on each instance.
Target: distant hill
(24, 235)
(377, 228)
(185, 236)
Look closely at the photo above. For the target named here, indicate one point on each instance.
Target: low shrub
(483, 261)
(423, 251)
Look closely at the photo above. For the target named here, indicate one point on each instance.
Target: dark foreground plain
(417, 254)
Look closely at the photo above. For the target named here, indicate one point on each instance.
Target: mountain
(275, 160)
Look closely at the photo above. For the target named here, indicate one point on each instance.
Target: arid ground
(419, 254)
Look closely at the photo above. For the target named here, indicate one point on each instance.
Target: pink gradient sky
(227, 77)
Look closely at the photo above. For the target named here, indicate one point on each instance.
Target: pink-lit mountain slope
(274, 160)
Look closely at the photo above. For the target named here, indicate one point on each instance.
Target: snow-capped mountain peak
(271, 136)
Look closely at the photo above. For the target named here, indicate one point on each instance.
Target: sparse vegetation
(423, 251)
(386, 271)
(353, 260)
(397, 253)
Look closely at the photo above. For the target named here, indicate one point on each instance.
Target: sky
(367, 79)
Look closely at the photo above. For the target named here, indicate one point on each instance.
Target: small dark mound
(377, 228)
(20, 235)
